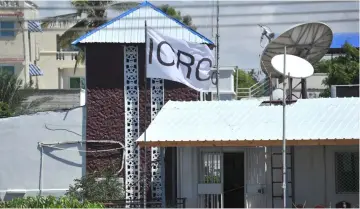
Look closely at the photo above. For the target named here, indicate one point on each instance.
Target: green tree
(341, 70)
(96, 15)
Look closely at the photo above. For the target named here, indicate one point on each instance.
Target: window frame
(8, 34)
(354, 155)
(81, 79)
(8, 66)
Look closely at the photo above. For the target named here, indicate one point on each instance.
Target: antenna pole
(217, 50)
(283, 137)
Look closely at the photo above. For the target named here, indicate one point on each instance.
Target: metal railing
(262, 88)
(180, 203)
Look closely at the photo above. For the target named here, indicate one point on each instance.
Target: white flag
(178, 60)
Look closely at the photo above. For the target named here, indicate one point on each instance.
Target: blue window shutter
(7, 29)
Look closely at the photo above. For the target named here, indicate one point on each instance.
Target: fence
(179, 203)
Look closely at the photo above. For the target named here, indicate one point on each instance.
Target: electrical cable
(198, 26)
(64, 18)
(259, 3)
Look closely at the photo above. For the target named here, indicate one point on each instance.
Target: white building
(229, 153)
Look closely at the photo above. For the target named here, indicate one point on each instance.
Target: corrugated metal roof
(307, 119)
(129, 27)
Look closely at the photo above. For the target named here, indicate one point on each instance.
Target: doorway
(234, 185)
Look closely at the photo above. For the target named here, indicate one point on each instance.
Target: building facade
(17, 39)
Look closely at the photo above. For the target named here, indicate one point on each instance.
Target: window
(77, 83)
(347, 172)
(7, 69)
(7, 29)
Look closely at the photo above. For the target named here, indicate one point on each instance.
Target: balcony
(58, 59)
(9, 4)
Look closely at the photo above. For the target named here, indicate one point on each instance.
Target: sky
(240, 44)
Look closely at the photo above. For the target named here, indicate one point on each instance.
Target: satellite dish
(296, 67)
(277, 94)
(309, 41)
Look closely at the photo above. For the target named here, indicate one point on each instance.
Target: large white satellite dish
(309, 41)
(295, 67)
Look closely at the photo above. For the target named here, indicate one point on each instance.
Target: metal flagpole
(217, 50)
(283, 137)
(145, 117)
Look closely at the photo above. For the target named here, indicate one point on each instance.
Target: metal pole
(217, 50)
(145, 118)
(283, 137)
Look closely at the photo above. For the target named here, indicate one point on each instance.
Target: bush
(49, 202)
(92, 188)
(5, 110)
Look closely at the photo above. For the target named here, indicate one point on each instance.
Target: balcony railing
(11, 4)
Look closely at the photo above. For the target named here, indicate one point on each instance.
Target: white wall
(315, 176)
(20, 155)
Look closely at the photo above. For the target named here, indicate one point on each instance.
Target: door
(255, 177)
(210, 180)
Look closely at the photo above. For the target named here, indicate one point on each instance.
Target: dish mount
(309, 41)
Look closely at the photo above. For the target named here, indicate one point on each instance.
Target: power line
(210, 16)
(189, 6)
(198, 26)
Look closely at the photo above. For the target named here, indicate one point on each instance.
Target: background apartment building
(17, 38)
(32, 54)
(58, 63)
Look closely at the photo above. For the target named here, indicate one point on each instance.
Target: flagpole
(145, 117)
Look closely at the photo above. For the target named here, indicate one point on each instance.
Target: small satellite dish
(296, 67)
(309, 41)
(277, 94)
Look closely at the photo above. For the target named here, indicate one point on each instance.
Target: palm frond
(73, 33)
(63, 19)
(122, 6)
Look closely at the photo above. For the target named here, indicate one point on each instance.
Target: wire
(259, 3)
(61, 18)
(83, 151)
(84, 29)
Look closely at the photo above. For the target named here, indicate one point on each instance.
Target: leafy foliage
(244, 79)
(13, 95)
(341, 70)
(172, 12)
(91, 188)
(49, 202)
(4, 110)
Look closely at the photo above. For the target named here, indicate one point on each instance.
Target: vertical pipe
(270, 89)
(290, 86)
(41, 170)
(173, 177)
(217, 50)
(222, 178)
(162, 169)
(284, 137)
(303, 88)
(145, 125)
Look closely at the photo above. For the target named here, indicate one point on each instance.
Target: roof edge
(143, 4)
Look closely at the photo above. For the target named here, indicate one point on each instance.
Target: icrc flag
(178, 60)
